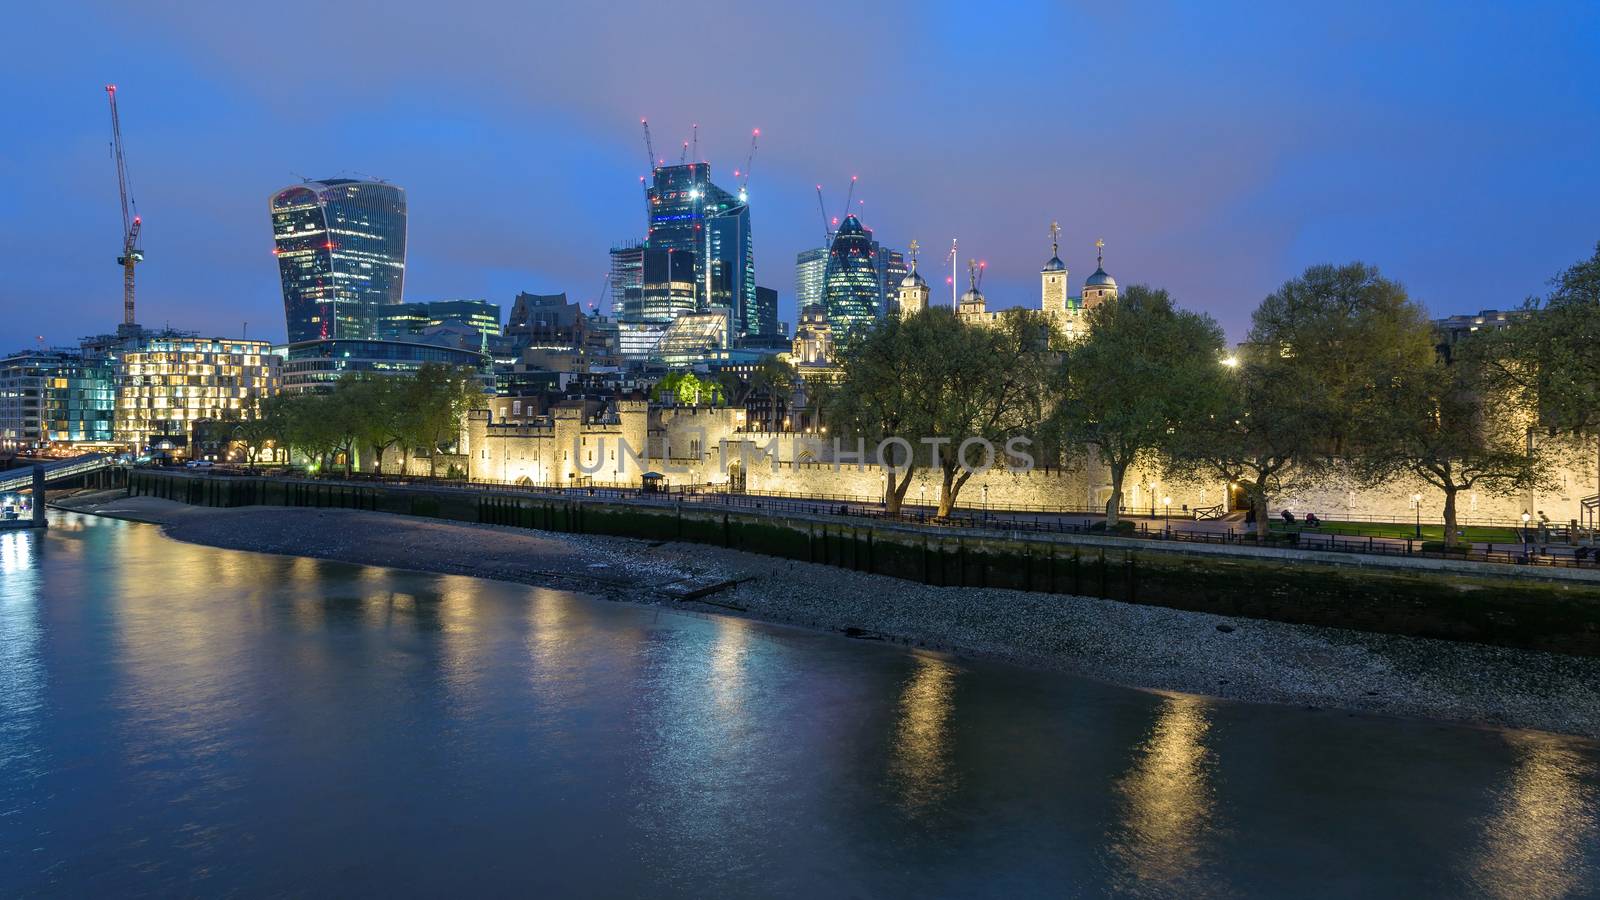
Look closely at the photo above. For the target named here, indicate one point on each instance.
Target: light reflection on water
(176, 719)
(1169, 803)
(1539, 841)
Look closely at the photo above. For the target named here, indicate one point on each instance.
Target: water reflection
(1168, 804)
(920, 767)
(1534, 843)
(16, 558)
(22, 671)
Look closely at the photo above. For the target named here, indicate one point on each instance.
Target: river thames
(176, 719)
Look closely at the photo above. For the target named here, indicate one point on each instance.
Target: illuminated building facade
(167, 382)
(690, 214)
(54, 396)
(404, 320)
(317, 365)
(852, 288)
(810, 271)
(341, 248)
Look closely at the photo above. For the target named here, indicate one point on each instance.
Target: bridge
(21, 478)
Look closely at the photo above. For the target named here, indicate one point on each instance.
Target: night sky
(1218, 148)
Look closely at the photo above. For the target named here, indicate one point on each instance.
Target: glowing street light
(1416, 502)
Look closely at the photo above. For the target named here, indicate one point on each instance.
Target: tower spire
(1100, 252)
(1055, 239)
(972, 274)
(913, 248)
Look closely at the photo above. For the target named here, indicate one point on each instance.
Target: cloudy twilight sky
(1218, 148)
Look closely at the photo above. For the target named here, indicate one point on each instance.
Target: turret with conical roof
(972, 305)
(1100, 286)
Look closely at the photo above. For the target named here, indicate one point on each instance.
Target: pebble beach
(1145, 647)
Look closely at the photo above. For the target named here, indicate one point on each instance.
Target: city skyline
(1385, 140)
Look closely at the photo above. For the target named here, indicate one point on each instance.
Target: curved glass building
(341, 248)
(851, 288)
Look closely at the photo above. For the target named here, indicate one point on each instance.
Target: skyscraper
(341, 248)
(690, 214)
(810, 268)
(853, 289)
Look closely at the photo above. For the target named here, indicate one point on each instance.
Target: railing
(21, 478)
(1517, 553)
(1210, 513)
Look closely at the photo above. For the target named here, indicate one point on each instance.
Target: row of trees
(366, 416)
(1341, 376)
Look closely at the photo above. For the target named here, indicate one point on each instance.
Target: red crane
(131, 254)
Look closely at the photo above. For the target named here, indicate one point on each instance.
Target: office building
(402, 320)
(54, 396)
(810, 271)
(168, 381)
(318, 365)
(341, 248)
(853, 288)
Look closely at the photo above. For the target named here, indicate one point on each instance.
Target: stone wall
(710, 447)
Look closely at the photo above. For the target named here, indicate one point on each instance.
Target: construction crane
(695, 137)
(683, 157)
(850, 196)
(131, 254)
(827, 230)
(649, 147)
(744, 183)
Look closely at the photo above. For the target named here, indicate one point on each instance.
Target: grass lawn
(1481, 534)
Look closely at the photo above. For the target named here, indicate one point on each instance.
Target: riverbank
(1138, 646)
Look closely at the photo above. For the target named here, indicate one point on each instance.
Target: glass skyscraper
(689, 214)
(852, 288)
(341, 248)
(810, 267)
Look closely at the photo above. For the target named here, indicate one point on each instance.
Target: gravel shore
(1137, 646)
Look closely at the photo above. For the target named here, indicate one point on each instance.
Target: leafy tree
(1311, 386)
(687, 389)
(1448, 424)
(1134, 379)
(933, 376)
(1548, 358)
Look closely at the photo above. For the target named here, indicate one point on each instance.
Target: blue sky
(1217, 148)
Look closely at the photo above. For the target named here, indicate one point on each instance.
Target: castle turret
(913, 297)
(1099, 287)
(972, 306)
(1053, 278)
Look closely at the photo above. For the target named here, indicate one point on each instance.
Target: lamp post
(1416, 503)
(1525, 518)
(1166, 511)
(986, 501)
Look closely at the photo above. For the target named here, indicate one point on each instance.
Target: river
(176, 719)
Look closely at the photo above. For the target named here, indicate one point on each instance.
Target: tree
(688, 389)
(1548, 358)
(1446, 423)
(1310, 385)
(1134, 379)
(437, 399)
(935, 377)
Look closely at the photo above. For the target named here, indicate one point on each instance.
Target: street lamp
(1416, 503)
(1166, 511)
(1525, 518)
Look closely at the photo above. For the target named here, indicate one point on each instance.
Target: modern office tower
(766, 314)
(892, 271)
(54, 396)
(810, 269)
(168, 381)
(341, 248)
(667, 285)
(317, 365)
(401, 320)
(852, 290)
(627, 279)
(688, 213)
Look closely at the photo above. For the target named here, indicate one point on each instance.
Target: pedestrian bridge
(21, 478)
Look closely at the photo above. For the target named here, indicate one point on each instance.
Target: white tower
(913, 288)
(1053, 278)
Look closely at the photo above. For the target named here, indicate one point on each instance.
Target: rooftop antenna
(695, 137)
